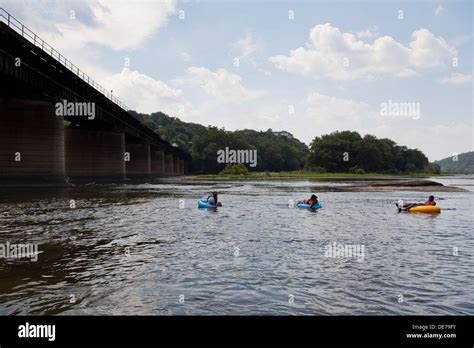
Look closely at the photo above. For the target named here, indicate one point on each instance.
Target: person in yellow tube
(407, 206)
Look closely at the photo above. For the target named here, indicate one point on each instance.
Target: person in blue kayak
(212, 199)
(313, 200)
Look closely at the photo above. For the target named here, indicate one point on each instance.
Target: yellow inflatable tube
(427, 209)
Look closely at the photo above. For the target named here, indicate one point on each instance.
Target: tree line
(338, 152)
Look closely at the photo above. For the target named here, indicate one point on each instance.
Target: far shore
(370, 182)
(309, 175)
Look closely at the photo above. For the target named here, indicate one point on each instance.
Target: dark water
(134, 249)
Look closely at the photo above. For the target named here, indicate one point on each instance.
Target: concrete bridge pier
(169, 171)
(157, 163)
(137, 160)
(94, 154)
(181, 167)
(175, 165)
(178, 169)
(31, 142)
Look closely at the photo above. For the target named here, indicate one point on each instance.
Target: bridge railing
(16, 25)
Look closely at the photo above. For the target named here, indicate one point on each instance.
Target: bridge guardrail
(28, 34)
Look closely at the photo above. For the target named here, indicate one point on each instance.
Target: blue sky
(329, 67)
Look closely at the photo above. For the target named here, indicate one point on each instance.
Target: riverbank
(309, 175)
(355, 182)
(392, 185)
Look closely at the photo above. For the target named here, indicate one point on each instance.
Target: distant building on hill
(283, 134)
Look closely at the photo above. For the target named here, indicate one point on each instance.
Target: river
(146, 249)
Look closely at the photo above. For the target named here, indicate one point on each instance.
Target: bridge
(41, 145)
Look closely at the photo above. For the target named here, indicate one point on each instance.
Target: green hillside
(275, 153)
(171, 129)
(463, 164)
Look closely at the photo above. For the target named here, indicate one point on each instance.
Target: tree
(334, 152)
(348, 152)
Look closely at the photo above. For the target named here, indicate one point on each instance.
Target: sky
(398, 70)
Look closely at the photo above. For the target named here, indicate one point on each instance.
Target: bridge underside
(36, 146)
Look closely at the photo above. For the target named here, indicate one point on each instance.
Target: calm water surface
(148, 249)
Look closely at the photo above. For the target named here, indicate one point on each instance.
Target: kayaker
(212, 199)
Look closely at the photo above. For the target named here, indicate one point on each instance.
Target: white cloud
(438, 10)
(221, 85)
(429, 51)
(118, 19)
(327, 114)
(342, 56)
(185, 56)
(457, 79)
(145, 94)
(119, 25)
(247, 50)
(368, 33)
(245, 47)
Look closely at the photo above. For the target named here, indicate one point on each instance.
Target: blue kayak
(307, 206)
(202, 203)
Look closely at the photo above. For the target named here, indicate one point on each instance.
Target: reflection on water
(131, 249)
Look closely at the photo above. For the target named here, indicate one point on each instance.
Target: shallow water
(148, 249)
